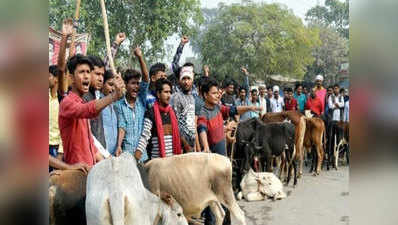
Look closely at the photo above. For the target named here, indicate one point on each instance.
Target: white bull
(258, 186)
(117, 196)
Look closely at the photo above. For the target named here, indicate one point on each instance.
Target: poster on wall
(81, 43)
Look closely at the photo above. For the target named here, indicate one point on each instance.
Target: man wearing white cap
(319, 90)
(183, 103)
(277, 103)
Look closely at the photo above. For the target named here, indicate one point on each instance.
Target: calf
(117, 196)
(196, 180)
(258, 186)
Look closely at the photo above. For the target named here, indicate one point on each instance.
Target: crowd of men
(151, 114)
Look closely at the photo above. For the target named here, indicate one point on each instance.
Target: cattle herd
(173, 190)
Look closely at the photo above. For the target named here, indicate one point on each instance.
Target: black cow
(254, 138)
(244, 132)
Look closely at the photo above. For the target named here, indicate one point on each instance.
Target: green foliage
(265, 38)
(334, 14)
(147, 23)
(329, 55)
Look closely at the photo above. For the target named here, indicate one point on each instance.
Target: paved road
(315, 200)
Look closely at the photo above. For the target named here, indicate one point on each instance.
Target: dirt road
(320, 200)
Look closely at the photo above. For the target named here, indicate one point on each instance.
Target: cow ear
(167, 198)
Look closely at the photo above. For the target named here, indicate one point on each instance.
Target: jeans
(53, 151)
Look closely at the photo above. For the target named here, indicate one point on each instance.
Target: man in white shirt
(277, 103)
(336, 105)
(264, 101)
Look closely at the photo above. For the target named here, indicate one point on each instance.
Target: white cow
(258, 186)
(196, 180)
(116, 196)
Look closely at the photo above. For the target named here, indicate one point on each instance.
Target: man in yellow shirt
(54, 137)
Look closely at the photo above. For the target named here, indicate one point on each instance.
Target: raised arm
(246, 84)
(92, 108)
(243, 109)
(120, 37)
(176, 59)
(67, 30)
(206, 70)
(144, 70)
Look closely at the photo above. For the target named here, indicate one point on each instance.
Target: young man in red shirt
(290, 102)
(314, 104)
(74, 113)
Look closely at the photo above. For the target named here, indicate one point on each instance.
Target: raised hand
(119, 86)
(138, 52)
(118, 151)
(244, 70)
(206, 70)
(184, 40)
(120, 37)
(67, 27)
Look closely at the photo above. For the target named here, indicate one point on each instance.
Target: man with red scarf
(160, 128)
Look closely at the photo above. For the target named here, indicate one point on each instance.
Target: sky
(299, 7)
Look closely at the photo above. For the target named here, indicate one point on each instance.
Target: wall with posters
(81, 43)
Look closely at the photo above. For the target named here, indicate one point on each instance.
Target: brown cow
(67, 192)
(315, 131)
(298, 120)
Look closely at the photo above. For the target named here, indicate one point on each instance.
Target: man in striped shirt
(211, 118)
(160, 132)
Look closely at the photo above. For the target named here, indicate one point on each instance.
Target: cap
(186, 71)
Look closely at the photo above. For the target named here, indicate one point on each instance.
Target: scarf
(159, 128)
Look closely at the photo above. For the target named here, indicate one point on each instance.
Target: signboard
(54, 41)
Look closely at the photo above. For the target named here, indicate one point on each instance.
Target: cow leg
(292, 166)
(291, 163)
(347, 154)
(218, 212)
(301, 162)
(337, 153)
(319, 152)
(313, 160)
(231, 204)
(269, 164)
(282, 167)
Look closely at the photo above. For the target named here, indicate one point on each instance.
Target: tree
(334, 14)
(147, 23)
(329, 55)
(265, 38)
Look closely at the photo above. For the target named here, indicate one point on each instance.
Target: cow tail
(117, 208)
